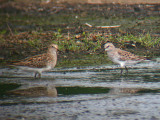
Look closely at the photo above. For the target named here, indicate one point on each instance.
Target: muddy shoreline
(85, 84)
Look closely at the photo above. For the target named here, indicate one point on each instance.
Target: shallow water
(94, 92)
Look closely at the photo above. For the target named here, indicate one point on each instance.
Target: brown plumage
(40, 63)
(36, 61)
(124, 55)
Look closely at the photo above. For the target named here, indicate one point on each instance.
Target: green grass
(31, 32)
(79, 60)
(145, 40)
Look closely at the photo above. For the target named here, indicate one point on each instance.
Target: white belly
(34, 69)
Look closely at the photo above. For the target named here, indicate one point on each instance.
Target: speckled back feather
(36, 61)
(124, 55)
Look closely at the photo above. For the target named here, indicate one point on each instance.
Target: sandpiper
(121, 57)
(41, 62)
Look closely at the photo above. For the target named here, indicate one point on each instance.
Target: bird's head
(109, 46)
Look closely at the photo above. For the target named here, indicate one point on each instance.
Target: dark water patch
(5, 87)
(103, 90)
(78, 94)
(149, 91)
(81, 90)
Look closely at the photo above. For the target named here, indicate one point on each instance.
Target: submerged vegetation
(27, 30)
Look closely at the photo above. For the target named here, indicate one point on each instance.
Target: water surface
(93, 92)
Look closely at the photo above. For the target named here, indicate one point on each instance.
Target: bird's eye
(108, 46)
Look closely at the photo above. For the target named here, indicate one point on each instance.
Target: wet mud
(82, 93)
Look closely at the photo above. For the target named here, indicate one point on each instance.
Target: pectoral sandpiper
(41, 62)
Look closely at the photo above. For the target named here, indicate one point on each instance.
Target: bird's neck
(52, 52)
(53, 58)
(112, 53)
(111, 50)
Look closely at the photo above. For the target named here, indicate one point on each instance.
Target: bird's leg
(121, 71)
(126, 70)
(37, 75)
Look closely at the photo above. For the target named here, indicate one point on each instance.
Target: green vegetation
(27, 30)
(144, 40)
(85, 50)
(78, 60)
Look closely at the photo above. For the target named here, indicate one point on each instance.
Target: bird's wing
(34, 61)
(124, 55)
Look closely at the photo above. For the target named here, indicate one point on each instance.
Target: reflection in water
(87, 94)
(124, 90)
(37, 91)
(4, 87)
(81, 90)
